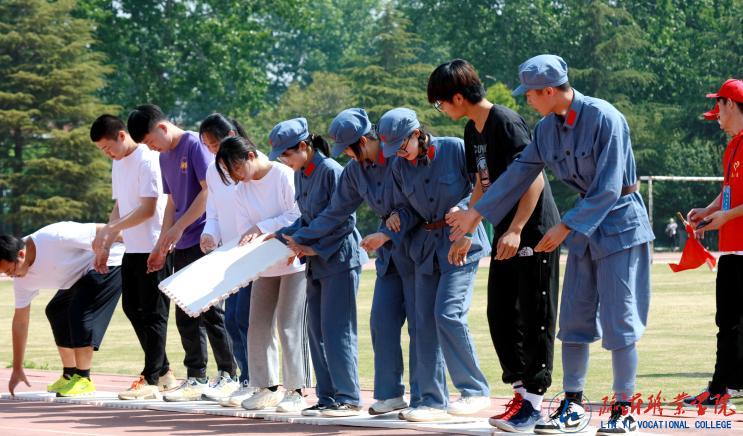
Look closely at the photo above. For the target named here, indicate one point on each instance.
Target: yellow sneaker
(77, 386)
(57, 385)
(167, 382)
(140, 390)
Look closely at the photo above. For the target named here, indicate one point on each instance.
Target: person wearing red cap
(725, 214)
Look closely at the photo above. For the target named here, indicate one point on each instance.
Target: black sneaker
(706, 399)
(342, 410)
(315, 410)
(568, 417)
(618, 423)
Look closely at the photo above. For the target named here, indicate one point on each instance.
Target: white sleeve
(150, 181)
(23, 296)
(288, 205)
(114, 185)
(211, 226)
(242, 217)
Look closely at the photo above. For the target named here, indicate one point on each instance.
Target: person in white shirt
(136, 185)
(265, 203)
(60, 256)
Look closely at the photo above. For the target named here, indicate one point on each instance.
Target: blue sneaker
(522, 422)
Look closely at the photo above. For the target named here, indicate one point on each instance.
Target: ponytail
(319, 143)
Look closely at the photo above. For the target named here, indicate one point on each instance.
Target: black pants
(79, 316)
(522, 312)
(729, 320)
(147, 309)
(194, 331)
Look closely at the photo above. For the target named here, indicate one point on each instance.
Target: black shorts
(79, 316)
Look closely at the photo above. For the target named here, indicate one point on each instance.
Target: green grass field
(676, 354)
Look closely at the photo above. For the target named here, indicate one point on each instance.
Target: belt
(428, 226)
(626, 190)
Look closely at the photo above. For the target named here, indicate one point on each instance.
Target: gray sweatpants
(279, 301)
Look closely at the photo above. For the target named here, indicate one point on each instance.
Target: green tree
(48, 81)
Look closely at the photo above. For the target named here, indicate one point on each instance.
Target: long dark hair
(219, 126)
(317, 142)
(233, 151)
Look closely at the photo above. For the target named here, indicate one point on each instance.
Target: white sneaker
(387, 406)
(190, 390)
(262, 399)
(293, 402)
(237, 397)
(222, 387)
(427, 414)
(403, 414)
(469, 405)
(167, 382)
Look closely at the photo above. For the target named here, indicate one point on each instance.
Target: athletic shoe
(77, 387)
(237, 397)
(512, 407)
(315, 410)
(167, 382)
(427, 414)
(222, 387)
(58, 384)
(569, 417)
(293, 402)
(522, 421)
(189, 390)
(140, 390)
(403, 414)
(386, 406)
(342, 410)
(705, 399)
(469, 405)
(263, 399)
(618, 423)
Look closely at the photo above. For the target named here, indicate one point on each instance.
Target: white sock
(519, 387)
(535, 400)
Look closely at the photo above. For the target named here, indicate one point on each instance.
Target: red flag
(694, 254)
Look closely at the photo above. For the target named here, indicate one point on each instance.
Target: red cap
(732, 89)
(712, 115)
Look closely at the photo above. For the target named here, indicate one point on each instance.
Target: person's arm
(508, 243)
(193, 213)
(719, 217)
(156, 260)
(211, 235)
(21, 318)
(698, 214)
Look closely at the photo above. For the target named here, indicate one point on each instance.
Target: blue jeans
(236, 320)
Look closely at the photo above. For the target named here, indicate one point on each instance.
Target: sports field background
(676, 353)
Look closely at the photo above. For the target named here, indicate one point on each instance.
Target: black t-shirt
(488, 153)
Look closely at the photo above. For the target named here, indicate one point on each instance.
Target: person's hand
(461, 222)
(100, 263)
(393, 222)
(290, 260)
(696, 215)
(104, 238)
(250, 235)
(714, 221)
(156, 259)
(458, 251)
(270, 236)
(167, 244)
(299, 249)
(374, 241)
(553, 238)
(508, 245)
(207, 244)
(16, 377)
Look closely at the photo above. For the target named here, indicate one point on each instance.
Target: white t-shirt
(220, 207)
(64, 253)
(132, 178)
(269, 203)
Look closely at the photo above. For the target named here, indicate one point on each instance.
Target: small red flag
(694, 254)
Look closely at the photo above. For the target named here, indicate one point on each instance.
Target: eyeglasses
(437, 105)
(404, 146)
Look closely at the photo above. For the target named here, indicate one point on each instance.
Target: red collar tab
(570, 120)
(309, 169)
(431, 153)
(380, 157)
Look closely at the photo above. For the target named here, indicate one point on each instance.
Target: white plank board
(221, 273)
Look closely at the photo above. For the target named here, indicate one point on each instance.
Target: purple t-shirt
(182, 168)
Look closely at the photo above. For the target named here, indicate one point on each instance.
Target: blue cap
(541, 72)
(286, 135)
(394, 128)
(347, 127)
